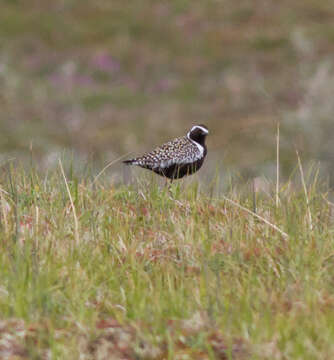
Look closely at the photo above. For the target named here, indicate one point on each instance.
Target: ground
(90, 270)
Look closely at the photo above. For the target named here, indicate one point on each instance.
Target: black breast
(178, 171)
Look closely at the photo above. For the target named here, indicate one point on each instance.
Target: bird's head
(198, 133)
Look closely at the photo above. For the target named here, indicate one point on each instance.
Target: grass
(102, 271)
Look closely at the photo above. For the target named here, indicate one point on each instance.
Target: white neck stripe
(199, 127)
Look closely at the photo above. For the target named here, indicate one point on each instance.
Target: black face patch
(198, 134)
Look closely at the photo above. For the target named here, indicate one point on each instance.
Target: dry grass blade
(4, 211)
(277, 164)
(4, 191)
(275, 227)
(108, 165)
(76, 223)
(305, 191)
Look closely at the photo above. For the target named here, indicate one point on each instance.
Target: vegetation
(92, 270)
(90, 75)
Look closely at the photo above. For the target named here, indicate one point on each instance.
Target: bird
(177, 158)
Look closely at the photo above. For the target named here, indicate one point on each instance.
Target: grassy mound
(96, 271)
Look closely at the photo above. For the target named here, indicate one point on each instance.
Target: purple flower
(104, 62)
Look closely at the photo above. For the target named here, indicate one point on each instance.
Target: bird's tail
(129, 162)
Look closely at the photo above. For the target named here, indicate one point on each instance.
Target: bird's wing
(178, 151)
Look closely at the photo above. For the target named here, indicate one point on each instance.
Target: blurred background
(102, 78)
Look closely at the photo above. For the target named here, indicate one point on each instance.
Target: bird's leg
(168, 184)
(170, 187)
